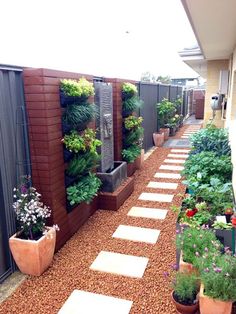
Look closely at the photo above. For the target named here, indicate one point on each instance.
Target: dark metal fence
(151, 94)
(14, 155)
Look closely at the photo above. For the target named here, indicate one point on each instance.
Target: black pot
(66, 128)
(228, 218)
(69, 100)
(172, 131)
(67, 155)
(69, 180)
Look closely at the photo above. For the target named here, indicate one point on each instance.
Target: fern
(132, 104)
(77, 115)
(82, 164)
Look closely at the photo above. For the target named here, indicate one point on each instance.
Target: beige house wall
(231, 113)
(212, 87)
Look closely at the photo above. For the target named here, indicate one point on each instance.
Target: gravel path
(70, 269)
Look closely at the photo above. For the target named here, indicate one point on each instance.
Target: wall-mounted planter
(69, 100)
(67, 155)
(69, 180)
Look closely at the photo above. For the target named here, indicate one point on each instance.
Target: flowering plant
(229, 211)
(219, 277)
(31, 214)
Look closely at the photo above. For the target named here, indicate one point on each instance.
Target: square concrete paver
(145, 212)
(120, 264)
(162, 185)
(184, 136)
(138, 234)
(174, 161)
(178, 155)
(170, 167)
(156, 197)
(179, 150)
(165, 175)
(83, 302)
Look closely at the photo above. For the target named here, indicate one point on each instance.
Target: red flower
(191, 212)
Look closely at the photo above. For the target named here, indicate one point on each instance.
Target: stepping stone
(145, 212)
(174, 161)
(138, 234)
(162, 185)
(170, 167)
(179, 150)
(83, 302)
(166, 175)
(184, 136)
(120, 264)
(156, 197)
(178, 155)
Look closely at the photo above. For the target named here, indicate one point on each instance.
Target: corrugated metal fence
(151, 94)
(14, 155)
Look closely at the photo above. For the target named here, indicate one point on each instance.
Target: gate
(14, 156)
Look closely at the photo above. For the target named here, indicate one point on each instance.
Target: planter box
(113, 201)
(213, 306)
(225, 237)
(33, 257)
(131, 168)
(139, 161)
(69, 100)
(67, 155)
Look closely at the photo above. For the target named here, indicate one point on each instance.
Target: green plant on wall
(132, 130)
(81, 88)
(78, 116)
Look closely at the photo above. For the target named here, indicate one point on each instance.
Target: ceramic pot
(33, 257)
(166, 133)
(186, 267)
(185, 309)
(158, 139)
(213, 306)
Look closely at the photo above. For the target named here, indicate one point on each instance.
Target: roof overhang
(214, 25)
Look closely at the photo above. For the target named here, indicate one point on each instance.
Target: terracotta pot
(213, 306)
(166, 133)
(185, 309)
(158, 139)
(139, 161)
(33, 257)
(186, 267)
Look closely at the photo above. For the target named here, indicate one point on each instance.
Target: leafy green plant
(131, 105)
(77, 88)
(133, 137)
(194, 242)
(205, 165)
(186, 287)
(84, 190)
(219, 278)
(211, 139)
(128, 90)
(78, 115)
(131, 153)
(132, 122)
(166, 110)
(82, 164)
(76, 143)
(222, 225)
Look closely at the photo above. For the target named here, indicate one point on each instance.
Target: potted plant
(130, 154)
(193, 243)
(185, 291)
(158, 138)
(75, 92)
(33, 245)
(217, 292)
(165, 110)
(228, 213)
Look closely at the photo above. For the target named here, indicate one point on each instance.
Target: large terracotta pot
(186, 267)
(213, 306)
(166, 133)
(185, 309)
(33, 257)
(158, 139)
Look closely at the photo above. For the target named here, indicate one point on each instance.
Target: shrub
(207, 164)
(131, 105)
(211, 139)
(186, 287)
(128, 90)
(84, 190)
(77, 88)
(134, 136)
(78, 115)
(166, 110)
(131, 153)
(132, 122)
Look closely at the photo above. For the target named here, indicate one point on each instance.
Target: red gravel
(70, 269)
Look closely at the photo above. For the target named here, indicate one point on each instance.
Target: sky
(121, 38)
